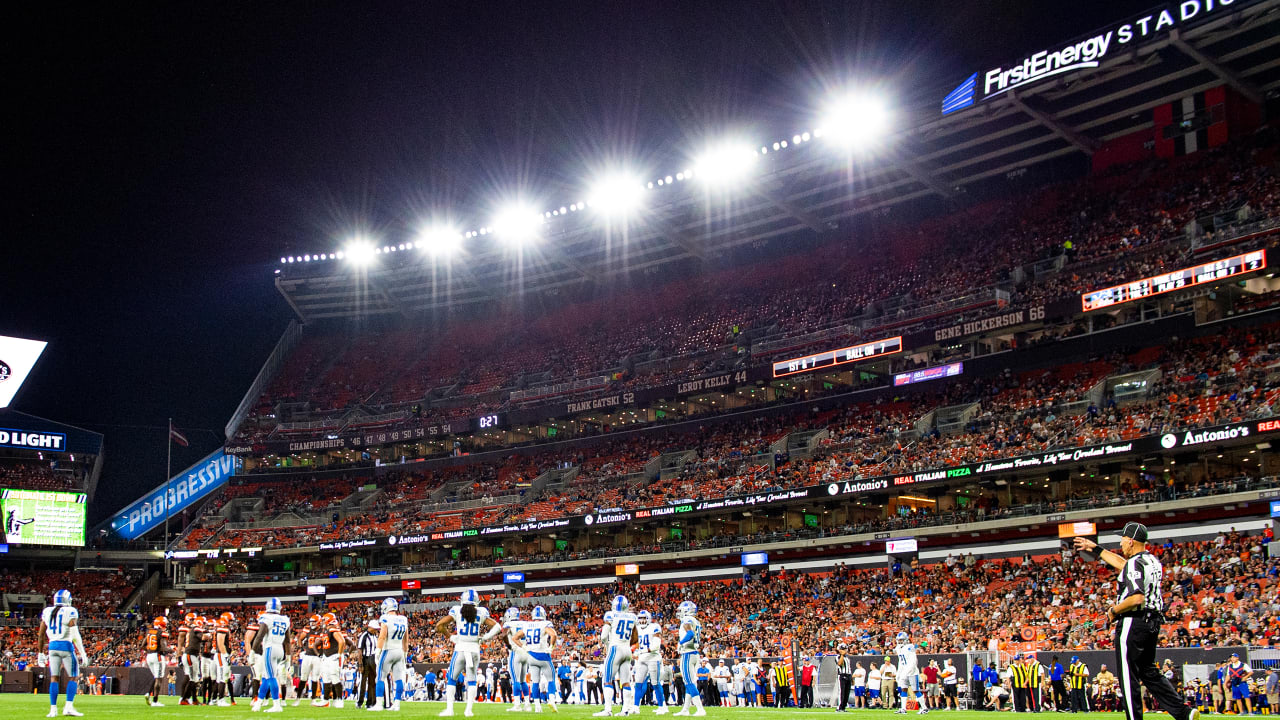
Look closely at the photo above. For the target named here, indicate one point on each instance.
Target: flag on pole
(176, 436)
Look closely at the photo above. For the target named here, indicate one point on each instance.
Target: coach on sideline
(1138, 614)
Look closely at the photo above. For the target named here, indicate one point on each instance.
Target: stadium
(796, 405)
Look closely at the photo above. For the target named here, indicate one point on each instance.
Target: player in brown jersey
(189, 646)
(332, 645)
(157, 646)
(222, 660)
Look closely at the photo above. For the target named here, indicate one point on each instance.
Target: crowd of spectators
(1129, 222)
(1218, 592)
(1212, 380)
(38, 475)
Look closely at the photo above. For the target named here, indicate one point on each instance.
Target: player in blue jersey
(908, 674)
(689, 643)
(649, 662)
(60, 627)
(539, 639)
(470, 626)
(517, 660)
(618, 637)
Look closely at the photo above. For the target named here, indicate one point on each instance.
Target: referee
(1138, 613)
(367, 645)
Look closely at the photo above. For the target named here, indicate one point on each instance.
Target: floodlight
(726, 163)
(360, 253)
(440, 241)
(617, 194)
(855, 121)
(517, 224)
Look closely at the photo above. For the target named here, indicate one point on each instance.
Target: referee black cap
(1135, 531)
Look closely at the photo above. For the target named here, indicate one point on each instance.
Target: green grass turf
(111, 707)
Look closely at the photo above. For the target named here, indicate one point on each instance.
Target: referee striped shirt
(368, 644)
(1142, 575)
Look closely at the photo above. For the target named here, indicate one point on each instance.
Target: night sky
(164, 156)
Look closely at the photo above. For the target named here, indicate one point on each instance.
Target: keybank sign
(1086, 53)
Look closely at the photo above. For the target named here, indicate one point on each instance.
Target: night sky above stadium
(166, 155)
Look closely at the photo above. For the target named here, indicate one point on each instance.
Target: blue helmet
(644, 617)
(512, 614)
(902, 636)
(620, 603)
(539, 613)
(273, 605)
(688, 607)
(62, 597)
(469, 597)
(390, 605)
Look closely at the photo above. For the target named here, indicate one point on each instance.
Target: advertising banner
(182, 491)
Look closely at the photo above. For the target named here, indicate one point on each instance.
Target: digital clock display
(1176, 280)
(830, 358)
(487, 421)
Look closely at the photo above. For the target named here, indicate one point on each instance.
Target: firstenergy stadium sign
(1087, 52)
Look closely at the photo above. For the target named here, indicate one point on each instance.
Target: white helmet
(644, 617)
(273, 605)
(390, 605)
(902, 636)
(62, 597)
(469, 597)
(512, 614)
(620, 603)
(539, 613)
(687, 608)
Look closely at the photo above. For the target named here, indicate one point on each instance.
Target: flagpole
(168, 476)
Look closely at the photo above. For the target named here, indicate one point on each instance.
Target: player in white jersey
(539, 639)
(908, 674)
(60, 627)
(750, 672)
(740, 683)
(393, 637)
(618, 636)
(648, 663)
(275, 643)
(470, 626)
(689, 644)
(517, 660)
(721, 676)
(579, 696)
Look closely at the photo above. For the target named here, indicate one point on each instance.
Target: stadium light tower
(854, 121)
(359, 252)
(441, 241)
(617, 195)
(517, 224)
(726, 164)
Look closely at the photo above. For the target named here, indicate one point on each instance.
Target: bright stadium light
(855, 121)
(517, 224)
(726, 164)
(359, 252)
(439, 241)
(616, 195)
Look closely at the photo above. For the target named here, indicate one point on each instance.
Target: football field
(114, 707)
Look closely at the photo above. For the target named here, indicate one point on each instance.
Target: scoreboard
(831, 358)
(1176, 280)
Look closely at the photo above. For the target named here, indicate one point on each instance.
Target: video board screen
(39, 517)
(17, 357)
